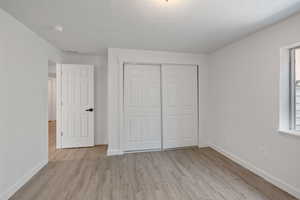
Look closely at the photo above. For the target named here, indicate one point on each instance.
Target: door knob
(90, 110)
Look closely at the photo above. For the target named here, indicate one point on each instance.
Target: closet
(160, 106)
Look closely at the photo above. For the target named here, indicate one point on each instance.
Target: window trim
(289, 132)
(292, 91)
(285, 105)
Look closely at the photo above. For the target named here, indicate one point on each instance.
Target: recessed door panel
(142, 107)
(180, 107)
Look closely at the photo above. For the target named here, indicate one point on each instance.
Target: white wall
(244, 105)
(23, 117)
(100, 63)
(116, 58)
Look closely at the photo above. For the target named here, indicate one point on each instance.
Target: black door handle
(90, 110)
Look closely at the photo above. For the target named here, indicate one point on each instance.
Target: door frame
(59, 104)
(122, 63)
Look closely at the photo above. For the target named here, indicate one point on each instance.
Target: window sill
(289, 132)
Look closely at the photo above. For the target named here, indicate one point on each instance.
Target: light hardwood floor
(51, 139)
(187, 174)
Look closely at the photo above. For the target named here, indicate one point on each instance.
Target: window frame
(292, 88)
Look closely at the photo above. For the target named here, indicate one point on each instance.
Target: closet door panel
(180, 107)
(142, 107)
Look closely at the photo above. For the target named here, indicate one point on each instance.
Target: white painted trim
(122, 116)
(14, 188)
(143, 151)
(274, 180)
(92, 70)
(58, 106)
(202, 146)
(114, 152)
(290, 46)
(289, 132)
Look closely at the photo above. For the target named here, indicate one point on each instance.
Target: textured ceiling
(197, 26)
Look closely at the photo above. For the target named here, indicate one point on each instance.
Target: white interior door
(142, 107)
(180, 106)
(77, 104)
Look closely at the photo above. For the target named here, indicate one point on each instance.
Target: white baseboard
(275, 181)
(203, 146)
(14, 188)
(114, 152)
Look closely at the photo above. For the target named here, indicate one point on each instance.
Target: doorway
(52, 94)
(70, 107)
(75, 106)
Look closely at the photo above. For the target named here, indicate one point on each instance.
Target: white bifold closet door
(142, 107)
(180, 106)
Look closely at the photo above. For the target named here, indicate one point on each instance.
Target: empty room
(150, 100)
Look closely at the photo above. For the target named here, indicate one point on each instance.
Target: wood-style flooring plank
(186, 174)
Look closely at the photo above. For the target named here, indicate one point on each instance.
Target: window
(295, 89)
